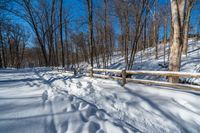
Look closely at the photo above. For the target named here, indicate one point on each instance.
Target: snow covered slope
(145, 60)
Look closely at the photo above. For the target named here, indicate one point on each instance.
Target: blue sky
(78, 10)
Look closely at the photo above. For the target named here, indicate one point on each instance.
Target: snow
(189, 63)
(47, 101)
(29, 104)
(145, 60)
(147, 108)
(39, 100)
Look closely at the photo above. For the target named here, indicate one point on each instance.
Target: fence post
(75, 72)
(123, 77)
(91, 72)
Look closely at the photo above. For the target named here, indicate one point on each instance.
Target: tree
(61, 36)
(189, 6)
(177, 9)
(141, 10)
(31, 17)
(181, 10)
(155, 30)
(90, 21)
(123, 13)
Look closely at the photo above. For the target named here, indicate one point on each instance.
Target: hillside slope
(145, 60)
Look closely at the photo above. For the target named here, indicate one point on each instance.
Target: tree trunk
(33, 24)
(67, 45)
(1, 55)
(61, 36)
(175, 51)
(90, 19)
(1, 64)
(165, 37)
(186, 26)
(155, 31)
(155, 40)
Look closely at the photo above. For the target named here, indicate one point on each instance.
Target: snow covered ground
(49, 101)
(45, 101)
(145, 60)
(31, 104)
(150, 109)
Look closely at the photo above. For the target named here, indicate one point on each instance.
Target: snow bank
(147, 108)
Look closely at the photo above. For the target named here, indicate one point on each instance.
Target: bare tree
(90, 21)
(189, 5)
(31, 18)
(177, 8)
(61, 36)
(141, 13)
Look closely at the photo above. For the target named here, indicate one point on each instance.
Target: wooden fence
(123, 77)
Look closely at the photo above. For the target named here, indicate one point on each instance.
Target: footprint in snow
(79, 84)
(45, 96)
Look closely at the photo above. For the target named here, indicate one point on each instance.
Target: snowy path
(21, 103)
(30, 104)
(50, 102)
(149, 108)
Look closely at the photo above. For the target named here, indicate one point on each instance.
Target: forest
(56, 37)
(99, 66)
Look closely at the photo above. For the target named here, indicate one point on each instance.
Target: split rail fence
(123, 77)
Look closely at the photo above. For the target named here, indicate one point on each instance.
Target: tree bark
(90, 19)
(175, 50)
(67, 44)
(186, 26)
(165, 37)
(61, 36)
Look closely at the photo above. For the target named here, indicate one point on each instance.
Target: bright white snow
(31, 104)
(148, 108)
(49, 101)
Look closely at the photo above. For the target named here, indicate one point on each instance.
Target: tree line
(107, 26)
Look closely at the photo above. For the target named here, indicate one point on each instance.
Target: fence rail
(167, 73)
(124, 78)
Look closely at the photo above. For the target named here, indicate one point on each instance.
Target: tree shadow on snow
(167, 115)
